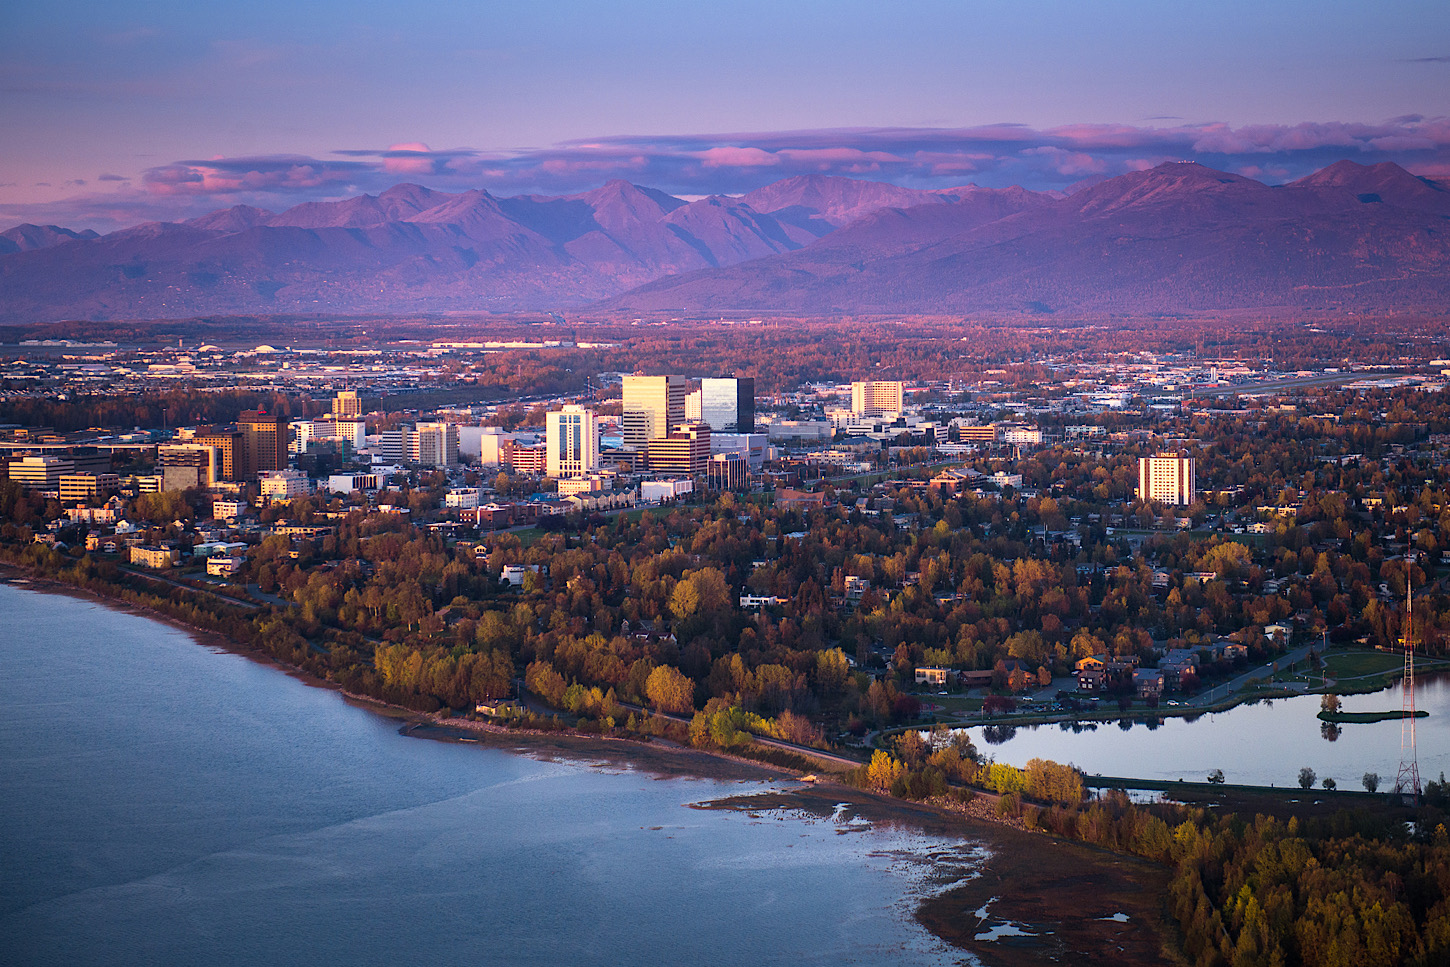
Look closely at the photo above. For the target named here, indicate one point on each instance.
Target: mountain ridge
(1179, 236)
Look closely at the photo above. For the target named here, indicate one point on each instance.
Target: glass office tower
(728, 404)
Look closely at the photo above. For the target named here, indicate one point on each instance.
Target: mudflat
(1037, 900)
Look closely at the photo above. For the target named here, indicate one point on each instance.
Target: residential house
(936, 677)
(1148, 682)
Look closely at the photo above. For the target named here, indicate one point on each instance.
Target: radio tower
(1408, 782)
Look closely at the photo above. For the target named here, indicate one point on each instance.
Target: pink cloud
(408, 158)
(733, 157)
(236, 175)
(995, 155)
(1073, 164)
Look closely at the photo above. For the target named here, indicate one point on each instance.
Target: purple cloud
(280, 175)
(994, 155)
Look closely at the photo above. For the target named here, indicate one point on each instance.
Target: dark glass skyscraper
(728, 404)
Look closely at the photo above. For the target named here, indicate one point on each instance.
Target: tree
(670, 690)
(1306, 778)
(832, 670)
(1329, 783)
(1216, 776)
(685, 600)
(883, 771)
(1329, 703)
(1371, 781)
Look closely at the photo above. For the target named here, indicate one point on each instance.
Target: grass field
(1357, 663)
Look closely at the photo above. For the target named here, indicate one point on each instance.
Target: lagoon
(1265, 743)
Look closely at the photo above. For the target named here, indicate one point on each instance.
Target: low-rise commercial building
(651, 491)
(40, 472)
(286, 484)
(84, 486)
(346, 483)
(155, 557)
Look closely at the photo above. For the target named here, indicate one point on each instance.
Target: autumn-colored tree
(670, 690)
(883, 771)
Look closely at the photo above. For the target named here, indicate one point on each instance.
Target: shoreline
(1023, 880)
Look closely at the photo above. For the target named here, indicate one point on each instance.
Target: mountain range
(1176, 238)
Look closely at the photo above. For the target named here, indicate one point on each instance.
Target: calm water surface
(1256, 744)
(164, 803)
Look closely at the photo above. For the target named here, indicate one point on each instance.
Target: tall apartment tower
(264, 443)
(433, 445)
(346, 405)
(728, 404)
(653, 405)
(1169, 478)
(572, 442)
(876, 398)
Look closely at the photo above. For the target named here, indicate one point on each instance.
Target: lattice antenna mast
(1408, 782)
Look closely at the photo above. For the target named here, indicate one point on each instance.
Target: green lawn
(1357, 663)
(953, 703)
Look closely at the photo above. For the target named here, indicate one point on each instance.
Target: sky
(118, 112)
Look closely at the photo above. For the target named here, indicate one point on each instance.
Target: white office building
(346, 483)
(461, 498)
(285, 484)
(571, 441)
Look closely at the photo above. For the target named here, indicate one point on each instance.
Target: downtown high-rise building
(727, 404)
(433, 445)
(571, 442)
(426, 444)
(876, 398)
(265, 439)
(231, 451)
(347, 405)
(653, 406)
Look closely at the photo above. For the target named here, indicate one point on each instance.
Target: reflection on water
(1264, 743)
(998, 734)
(165, 804)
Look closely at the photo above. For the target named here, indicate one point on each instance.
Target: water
(1262, 744)
(167, 803)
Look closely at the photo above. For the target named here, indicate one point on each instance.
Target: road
(764, 740)
(1278, 385)
(1220, 693)
(152, 576)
